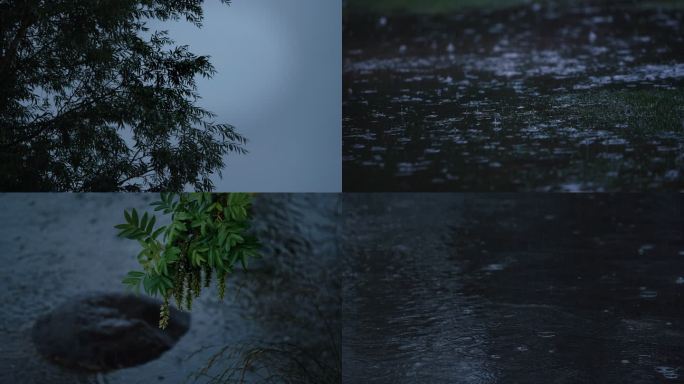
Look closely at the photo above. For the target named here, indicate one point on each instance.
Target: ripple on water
(494, 267)
(645, 293)
(668, 372)
(546, 334)
(646, 248)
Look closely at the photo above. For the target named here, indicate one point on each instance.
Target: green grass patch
(645, 110)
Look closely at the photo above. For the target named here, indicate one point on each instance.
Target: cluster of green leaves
(207, 236)
(78, 77)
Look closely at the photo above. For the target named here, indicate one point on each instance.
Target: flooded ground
(281, 320)
(513, 289)
(586, 96)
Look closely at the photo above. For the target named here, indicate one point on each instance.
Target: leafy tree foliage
(79, 77)
(206, 237)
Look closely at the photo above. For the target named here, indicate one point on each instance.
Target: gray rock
(101, 332)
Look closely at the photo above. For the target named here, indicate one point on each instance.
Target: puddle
(105, 332)
(575, 302)
(517, 99)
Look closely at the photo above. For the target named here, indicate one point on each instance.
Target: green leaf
(223, 233)
(148, 284)
(150, 225)
(156, 233)
(243, 261)
(172, 254)
(143, 222)
(133, 280)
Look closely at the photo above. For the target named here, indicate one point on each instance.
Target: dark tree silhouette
(92, 100)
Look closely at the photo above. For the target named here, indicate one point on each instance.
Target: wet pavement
(543, 97)
(280, 322)
(448, 288)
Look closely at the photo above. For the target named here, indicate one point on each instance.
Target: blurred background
(278, 83)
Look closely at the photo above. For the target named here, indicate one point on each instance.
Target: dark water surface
(543, 97)
(444, 288)
(283, 316)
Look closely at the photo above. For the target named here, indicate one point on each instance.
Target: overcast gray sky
(279, 82)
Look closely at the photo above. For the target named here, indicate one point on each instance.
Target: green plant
(206, 237)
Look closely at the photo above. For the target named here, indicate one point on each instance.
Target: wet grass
(640, 111)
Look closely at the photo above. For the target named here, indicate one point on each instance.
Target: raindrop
(672, 175)
(645, 248)
(668, 372)
(493, 267)
(497, 120)
(592, 37)
(546, 335)
(648, 293)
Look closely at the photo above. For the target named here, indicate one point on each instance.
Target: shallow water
(549, 98)
(513, 288)
(287, 308)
